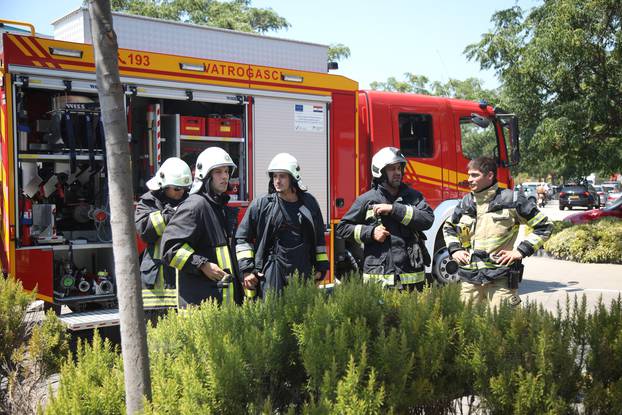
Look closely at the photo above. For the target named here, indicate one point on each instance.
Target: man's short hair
(484, 164)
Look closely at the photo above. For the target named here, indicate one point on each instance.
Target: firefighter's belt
(482, 269)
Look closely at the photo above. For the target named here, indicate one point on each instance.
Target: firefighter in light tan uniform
(482, 232)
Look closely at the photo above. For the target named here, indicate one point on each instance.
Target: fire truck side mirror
(480, 121)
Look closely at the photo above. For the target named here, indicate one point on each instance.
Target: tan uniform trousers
(494, 293)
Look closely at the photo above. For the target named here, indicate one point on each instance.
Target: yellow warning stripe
(21, 47)
(428, 170)
(33, 47)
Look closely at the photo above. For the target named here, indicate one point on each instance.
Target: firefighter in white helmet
(197, 241)
(389, 221)
(167, 189)
(281, 233)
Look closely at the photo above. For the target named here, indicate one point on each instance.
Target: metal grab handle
(29, 25)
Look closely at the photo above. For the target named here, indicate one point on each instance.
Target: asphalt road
(549, 281)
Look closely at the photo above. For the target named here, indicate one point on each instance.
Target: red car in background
(613, 211)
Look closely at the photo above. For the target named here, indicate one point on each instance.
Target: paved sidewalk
(549, 281)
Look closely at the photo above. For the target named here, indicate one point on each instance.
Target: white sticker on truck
(309, 118)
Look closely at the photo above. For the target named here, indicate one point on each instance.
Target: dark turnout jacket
(200, 232)
(152, 214)
(257, 235)
(402, 255)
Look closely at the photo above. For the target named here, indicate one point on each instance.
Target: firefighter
(197, 241)
(281, 233)
(482, 231)
(389, 220)
(541, 191)
(167, 189)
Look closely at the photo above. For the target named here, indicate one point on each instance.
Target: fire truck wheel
(444, 269)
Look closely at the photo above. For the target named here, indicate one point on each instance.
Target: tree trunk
(111, 99)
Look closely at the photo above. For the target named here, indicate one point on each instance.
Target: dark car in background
(578, 195)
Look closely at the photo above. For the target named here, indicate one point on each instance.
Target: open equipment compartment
(62, 195)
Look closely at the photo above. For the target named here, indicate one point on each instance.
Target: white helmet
(384, 157)
(208, 160)
(173, 172)
(286, 163)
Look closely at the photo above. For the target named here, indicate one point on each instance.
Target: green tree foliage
(363, 350)
(469, 89)
(234, 14)
(561, 68)
(418, 84)
(337, 52)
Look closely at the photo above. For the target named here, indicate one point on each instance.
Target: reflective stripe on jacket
(403, 253)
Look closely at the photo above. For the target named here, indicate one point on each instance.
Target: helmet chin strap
(293, 184)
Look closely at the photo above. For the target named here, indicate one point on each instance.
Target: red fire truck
(55, 232)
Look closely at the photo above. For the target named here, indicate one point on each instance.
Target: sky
(386, 38)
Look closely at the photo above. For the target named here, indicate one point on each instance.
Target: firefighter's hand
(380, 233)
(507, 257)
(167, 214)
(212, 271)
(461, 257)
(382, 209)
(250, 281)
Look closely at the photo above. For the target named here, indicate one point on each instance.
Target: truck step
(90, 319)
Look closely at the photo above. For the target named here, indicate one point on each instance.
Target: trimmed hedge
(596, 242)
(363, 350)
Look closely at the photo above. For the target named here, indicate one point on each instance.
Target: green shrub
(596, 242)
(93, 383)
(14, 302)
(30, 352)
(362, 350)
(604, 360)
(560, 225)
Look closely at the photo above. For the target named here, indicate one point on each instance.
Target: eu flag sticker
(299, 107)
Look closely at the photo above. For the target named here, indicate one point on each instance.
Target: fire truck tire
(444, 269)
